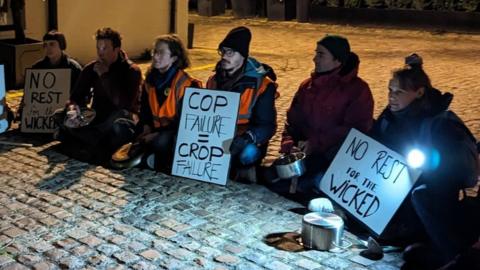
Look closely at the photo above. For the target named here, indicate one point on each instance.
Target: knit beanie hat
(238, 39)
(338, 46)
(58, 36)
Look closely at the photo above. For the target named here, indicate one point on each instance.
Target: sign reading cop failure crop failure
(368, 180)
(207, 127)
(46, 90)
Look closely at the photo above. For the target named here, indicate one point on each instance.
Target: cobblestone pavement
(57, 212)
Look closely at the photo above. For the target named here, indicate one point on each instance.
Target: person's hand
(146, 130)
(100, 68)
(239, 143)
(287, 146)
(304, 146)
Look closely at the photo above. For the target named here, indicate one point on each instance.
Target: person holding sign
(161, 102)
(324, 109)
(256, 124)
(418, 124)
(113, 82)
(55, 44)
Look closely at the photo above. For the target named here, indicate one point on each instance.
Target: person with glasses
(324, 109)
(112, 85)
(161, 103)
(238, 72)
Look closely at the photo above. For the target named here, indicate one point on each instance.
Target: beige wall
(138, 22)
(36, 20)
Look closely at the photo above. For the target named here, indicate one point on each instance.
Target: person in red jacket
(326, 106)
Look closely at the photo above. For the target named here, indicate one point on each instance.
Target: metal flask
(322, 231)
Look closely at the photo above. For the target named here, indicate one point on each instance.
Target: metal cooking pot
(291, 165)
(322, 231)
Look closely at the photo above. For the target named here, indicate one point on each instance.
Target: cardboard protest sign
(207, 127)
(46, 90)
(368, 180)
(3, 102)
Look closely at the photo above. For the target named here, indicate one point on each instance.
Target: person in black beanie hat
(238, 39)
(338, 46)
(238, 72)
(54, 44)
(326, 106)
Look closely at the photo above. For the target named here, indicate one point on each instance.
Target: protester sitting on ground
(55, 44)
(161, 103)
(113, 82)
(324, 109)
(417, 115)
(237, 72)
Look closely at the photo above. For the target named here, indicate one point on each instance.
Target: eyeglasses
(226, 51)
(159, 53)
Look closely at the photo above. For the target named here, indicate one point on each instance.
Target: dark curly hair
(110, 34)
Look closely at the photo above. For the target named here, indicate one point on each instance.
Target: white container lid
(325, 220)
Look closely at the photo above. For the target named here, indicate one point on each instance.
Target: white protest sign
(3, 102)
(369, 180)
(46, 90)
(207, 127)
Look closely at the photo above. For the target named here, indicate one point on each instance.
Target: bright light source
(415, 158)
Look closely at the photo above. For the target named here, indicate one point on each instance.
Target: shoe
(151, 161)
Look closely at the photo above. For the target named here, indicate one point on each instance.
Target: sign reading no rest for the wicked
(368, 180)
(207, 127)
(46, 90)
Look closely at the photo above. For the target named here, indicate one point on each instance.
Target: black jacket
(451, 151)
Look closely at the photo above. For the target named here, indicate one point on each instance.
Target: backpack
(469, 143)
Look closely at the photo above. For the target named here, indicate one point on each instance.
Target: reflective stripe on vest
(170, 107)
(248, 98)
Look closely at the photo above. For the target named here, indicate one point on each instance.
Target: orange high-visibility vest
(166, 112)
(248, 98)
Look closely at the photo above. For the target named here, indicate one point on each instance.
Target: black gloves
(240, 142)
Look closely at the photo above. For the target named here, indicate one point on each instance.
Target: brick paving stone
(14, 232)
(144, 266)
(151, 254)
(67, 243)
(91, 241)
(277, 265)
(181, 254)
(227, 259)
(108, 249)
(44, 266)
(5, 259)
(14, 266)
(307, 264)
(137, 246)
(336, 263)
(82, 251)
(99, 260)
(117, 239)
(165, 233)
(126, 257)
(71, 262)
(28, 259)
(56, 254)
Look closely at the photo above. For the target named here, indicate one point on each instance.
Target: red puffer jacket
(326, 107)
